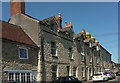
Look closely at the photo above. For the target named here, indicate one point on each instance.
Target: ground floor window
(54, 72)
(90, 74)
(75, 71)
(11, 76)
(82, 71)
(68, 70)
(20, 77)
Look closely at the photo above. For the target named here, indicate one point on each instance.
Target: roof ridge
(47, 18)
(11, 32)
(11, 24)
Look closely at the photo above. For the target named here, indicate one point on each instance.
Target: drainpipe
(39, 67)
(84, 59)
(40, 61)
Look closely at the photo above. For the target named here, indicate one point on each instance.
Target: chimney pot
(59, 20)
(93, 39)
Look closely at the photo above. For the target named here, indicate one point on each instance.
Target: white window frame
(19, 71)
(26, 51)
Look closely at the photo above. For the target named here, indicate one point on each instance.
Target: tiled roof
(15, 33)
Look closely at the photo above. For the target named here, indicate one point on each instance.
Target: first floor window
(90, 59)
(53, 48)
(81, 57)
(54, 72)
(23, 53)
(96, 60)
(70, 53)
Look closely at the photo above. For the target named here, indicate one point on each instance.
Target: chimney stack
(96, 42)
(68, 24)
(88, 35)
(17, 6)
(59, 20)
(83, 31)
(93, 39)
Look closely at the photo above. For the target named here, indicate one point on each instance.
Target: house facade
(19, 55)
(52, 51)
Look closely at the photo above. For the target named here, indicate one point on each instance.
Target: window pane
(70, 53)
(53, 48)
(54, 71)
(52, 27)
(81, 58)
(74, 71)
(68, 69)
(53, 76)
(28, 77)
(23, 77)
(11, 76)
(23, 53)
(17, 77)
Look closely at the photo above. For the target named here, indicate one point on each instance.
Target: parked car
(100, 76)
(113, 74)
(118, 73)
(110, 75)
(67, 79)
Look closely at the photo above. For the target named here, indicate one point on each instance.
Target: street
(116, 80)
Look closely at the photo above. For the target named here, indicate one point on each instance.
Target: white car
(100, 76)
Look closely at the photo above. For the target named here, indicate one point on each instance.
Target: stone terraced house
(41, 50)
(19, 54)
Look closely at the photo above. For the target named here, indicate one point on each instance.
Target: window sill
(23, 58)
(55, 57)
(71, 59)
(82, 60)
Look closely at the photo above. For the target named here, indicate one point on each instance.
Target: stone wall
(10, 57)
(61, 59)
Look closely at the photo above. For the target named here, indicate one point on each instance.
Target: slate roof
(94, 44)
(86, 40)
(44, 20)
(77, 35)
(65, 29)
(15, 33)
